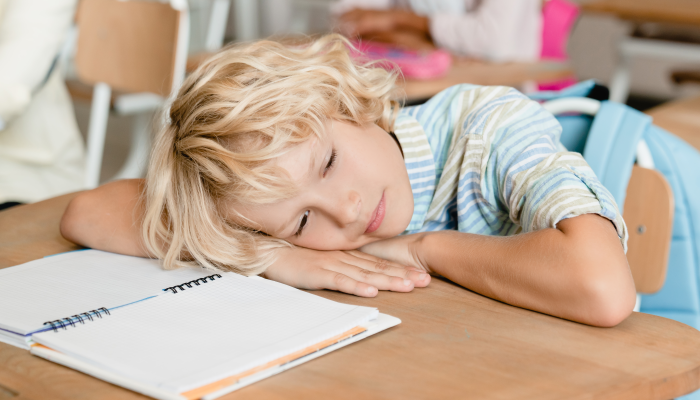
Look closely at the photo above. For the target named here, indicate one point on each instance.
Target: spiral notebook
(182, 334)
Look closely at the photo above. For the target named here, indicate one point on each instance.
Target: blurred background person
(41, 150)
(493, 30)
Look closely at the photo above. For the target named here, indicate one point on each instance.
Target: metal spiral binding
(80, 318)
(190, 283)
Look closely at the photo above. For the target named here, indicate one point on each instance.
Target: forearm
(107, 218)
(578, 272)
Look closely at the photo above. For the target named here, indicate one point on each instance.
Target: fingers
(333, 280)
(352, 272)
(378, 280)
(382, 274)
(419, 278)
(364, 282)
(368, 262)
(369, 257)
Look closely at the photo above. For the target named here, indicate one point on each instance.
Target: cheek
(402, 207)
(325, 237)
(399, 208)
(325, 242)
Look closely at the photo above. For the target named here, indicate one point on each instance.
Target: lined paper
(67, 284)
(179, 342)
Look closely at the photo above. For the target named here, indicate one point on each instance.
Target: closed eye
(304, 219)
(331, 162)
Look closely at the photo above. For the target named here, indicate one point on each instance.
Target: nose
(347, 208)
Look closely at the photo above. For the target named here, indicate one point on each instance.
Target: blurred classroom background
(593, 50)
(656, 41)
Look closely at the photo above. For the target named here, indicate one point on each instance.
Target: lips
(377, 216)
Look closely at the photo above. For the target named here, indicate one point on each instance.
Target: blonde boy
(288, 160)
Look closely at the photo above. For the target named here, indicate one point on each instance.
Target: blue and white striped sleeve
(521, 168)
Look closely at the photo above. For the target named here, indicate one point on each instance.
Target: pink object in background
(558, 19)
(414, 64)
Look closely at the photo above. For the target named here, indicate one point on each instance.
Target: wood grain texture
(32, 231)
(648, 213)
(34, 378)
(680, 117)
(673, 11)
(452, 343)
(130, 45)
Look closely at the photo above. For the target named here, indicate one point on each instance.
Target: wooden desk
(483, 73)
(672, 11)
(452, 344)
(680, 117)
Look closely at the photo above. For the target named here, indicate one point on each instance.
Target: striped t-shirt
(487, 160)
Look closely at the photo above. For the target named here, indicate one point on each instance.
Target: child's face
(354, 189)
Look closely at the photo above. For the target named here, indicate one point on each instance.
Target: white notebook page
(60, 286)
(182, 341)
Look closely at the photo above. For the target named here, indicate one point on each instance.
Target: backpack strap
(611, 146)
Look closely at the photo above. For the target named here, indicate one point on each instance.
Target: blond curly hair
(242, 108)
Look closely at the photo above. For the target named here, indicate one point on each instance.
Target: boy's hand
(404, 250)
(352, 272)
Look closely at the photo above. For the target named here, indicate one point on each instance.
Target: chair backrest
(133, 46)
(648, 213)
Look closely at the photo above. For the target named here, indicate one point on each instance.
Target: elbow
(607, 299)
(599, 281)
(607, 306)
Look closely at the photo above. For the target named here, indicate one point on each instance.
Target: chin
(398, 226)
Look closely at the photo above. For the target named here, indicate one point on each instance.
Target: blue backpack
(608, 142)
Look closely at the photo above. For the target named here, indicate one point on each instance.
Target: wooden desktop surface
(452, 343)
(485, 73)
(680, 117)
(669, 11)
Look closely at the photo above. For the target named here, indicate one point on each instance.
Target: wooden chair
(134, 47)
(648, 210)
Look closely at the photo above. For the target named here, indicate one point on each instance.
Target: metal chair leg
(620, 82)
(99, 113)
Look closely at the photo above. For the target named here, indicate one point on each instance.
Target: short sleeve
(539, 184)
(500, 168)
